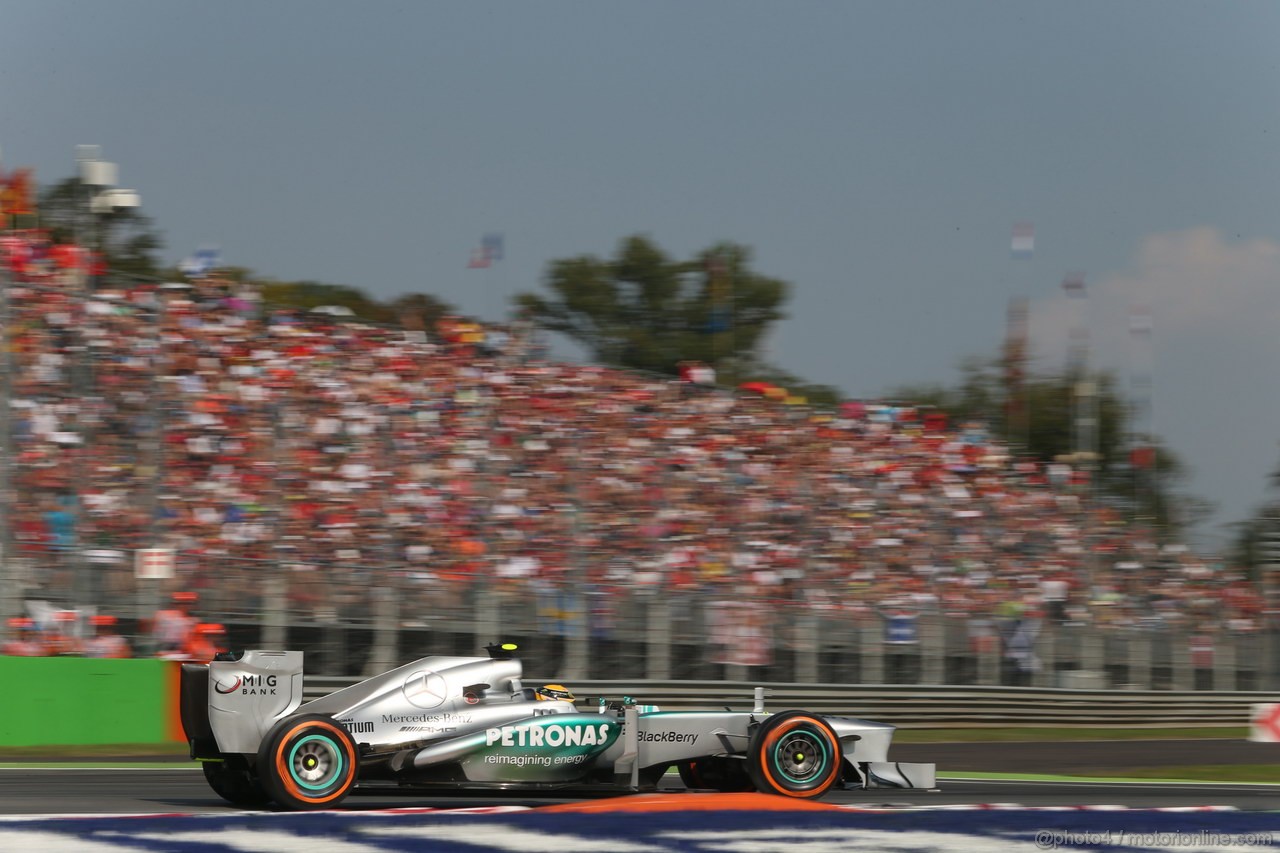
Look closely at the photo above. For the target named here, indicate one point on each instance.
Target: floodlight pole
(93, 173)
(98, 178)
(1084, 403)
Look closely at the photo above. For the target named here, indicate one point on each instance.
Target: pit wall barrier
(70, 701)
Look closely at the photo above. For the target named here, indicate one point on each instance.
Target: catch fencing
(358, 619)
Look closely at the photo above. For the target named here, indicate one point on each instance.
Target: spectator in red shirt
(206, 641)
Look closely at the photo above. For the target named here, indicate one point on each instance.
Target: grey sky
(875, 154)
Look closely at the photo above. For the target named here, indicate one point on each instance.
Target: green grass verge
(1201, 773)
(1046, 735)
(95, 751)
(1216, 773)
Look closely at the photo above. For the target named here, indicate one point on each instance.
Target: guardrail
(927, 707)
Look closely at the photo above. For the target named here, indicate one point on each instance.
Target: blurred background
(210, 468)
(808, 343)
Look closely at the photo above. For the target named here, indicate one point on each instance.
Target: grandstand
(341, 477)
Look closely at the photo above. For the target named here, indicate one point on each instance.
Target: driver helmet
(551, 692)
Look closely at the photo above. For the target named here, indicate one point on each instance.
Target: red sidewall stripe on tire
(776, 734)
(286, 778)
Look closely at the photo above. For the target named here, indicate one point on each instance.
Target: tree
(645, 311)
(976, 398)
(306, 295)
(414, 311)
(1256, 544)
(126, 238)
(419, 312)
(1047, 432)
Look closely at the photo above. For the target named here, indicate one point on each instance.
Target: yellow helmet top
(554, 691)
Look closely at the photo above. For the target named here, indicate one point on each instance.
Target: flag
(1142, 456)
(490, 250)
(1140, 322)
(492, 246)
(16, 195)
(1024, 240)
(719, 320)
(201, 263)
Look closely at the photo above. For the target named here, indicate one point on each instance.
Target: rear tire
(308, 762)
(794, 754)
(231, 780)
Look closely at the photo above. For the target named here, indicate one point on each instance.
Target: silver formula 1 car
(444, 723)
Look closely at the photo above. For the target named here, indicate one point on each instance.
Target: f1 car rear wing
(228, 705)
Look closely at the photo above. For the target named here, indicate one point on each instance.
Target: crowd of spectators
(247, 437)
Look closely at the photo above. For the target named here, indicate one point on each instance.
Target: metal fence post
(1140, 660)
(806, 647)
(932, 650)
(1092, 659)
(1224, 661)
(386, 619)
(486, 619)
(275, 616)
(1180, 658)
(576, 658)
(658, 639)
(1045, 651)
(989, 663)
(872, 652)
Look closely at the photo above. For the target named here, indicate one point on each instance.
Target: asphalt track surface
(147, 791)
(63, 788)
(1084, 758)
(66, 791)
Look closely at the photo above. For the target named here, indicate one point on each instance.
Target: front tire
(794, 754)
(308, 762)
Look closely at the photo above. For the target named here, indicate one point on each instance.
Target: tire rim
(801, 757)
(315, 762)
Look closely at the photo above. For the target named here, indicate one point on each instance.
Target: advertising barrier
(70, 701)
